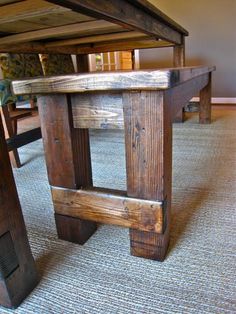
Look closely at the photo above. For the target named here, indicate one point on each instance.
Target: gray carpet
(198, 275)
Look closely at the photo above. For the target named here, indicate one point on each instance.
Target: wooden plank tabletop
(84, 26)
(104, 81)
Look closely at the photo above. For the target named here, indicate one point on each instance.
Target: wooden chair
(15, 66)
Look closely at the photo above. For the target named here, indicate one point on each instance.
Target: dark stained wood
(125, 80)
(179, 61)
(179, 95)
(82, 29)
(106, 46)
(124, 35)
(153, 10)
(24, 138)
(120, 12)
(98, 111)
(148, 142)
(67, 153)
(43, 27)
(82, 63)
(205, 103)
(18, 274)
(67, 157)
(150, 101)
(111, 207)
(74, 229)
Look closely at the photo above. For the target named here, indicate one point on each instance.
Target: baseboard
(219, 100)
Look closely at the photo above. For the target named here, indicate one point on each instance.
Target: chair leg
(9, 132)
(18, 275)
(14, 126)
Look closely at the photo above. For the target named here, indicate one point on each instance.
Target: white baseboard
(219, 100)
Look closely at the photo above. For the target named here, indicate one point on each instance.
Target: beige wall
(212, 39)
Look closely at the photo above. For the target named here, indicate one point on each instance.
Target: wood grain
(148, 142)
(111, 207)
(73, 26)
(98, 38)
(18, 11)
(67, 155)
(120, 12)
(83, 29)
(98, 111)
(129, 80)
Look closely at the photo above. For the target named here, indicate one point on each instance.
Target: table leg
(68, 160)
(18, 274)
(205, 103)
(179, 61)
(148, 140)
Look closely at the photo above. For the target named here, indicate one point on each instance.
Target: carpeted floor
(198, 275)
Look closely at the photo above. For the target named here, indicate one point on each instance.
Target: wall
(212, 39)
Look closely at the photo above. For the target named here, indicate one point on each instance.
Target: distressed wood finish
(18, 274)
(105, 111)
(119, 12)
(179, 95)
(99, 38)
(179, 61)
(67, 155)
(99, 111)
(205, 103)
(83, 29)
(79, 27)
(148, 143)
(125, 80)
(112, 207)
(149, 101)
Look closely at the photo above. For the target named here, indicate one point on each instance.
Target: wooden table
(81, 27)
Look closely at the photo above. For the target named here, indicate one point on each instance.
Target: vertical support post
(73, 144)
(18, 274)
(179, 61)
(67, 158)
(9, 132)
(148, 141)
(205, 103)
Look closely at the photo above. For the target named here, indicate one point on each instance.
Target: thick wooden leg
(18, 274)
(205, 103)
(148, 140)
(74, 229)
(179, 61)
(9, 132)
(67, 158)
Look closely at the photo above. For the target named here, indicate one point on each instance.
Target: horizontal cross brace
(110, 207)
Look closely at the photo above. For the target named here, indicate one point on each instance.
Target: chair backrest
(15, 66)
(56, 64)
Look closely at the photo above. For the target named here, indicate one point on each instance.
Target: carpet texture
(198, 275)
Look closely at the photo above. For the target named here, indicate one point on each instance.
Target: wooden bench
(144, 104)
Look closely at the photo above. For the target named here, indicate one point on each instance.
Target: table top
(104, 81)
(84, 26)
